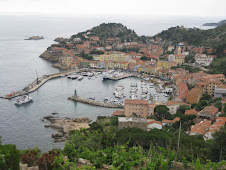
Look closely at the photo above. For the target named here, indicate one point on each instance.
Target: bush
(30, 157)
(9, 157)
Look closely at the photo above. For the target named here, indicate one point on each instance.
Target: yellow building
(118, 57)
(164, 64)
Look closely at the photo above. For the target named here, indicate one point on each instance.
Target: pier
(121, 77)
(39, 82)
(94, 103)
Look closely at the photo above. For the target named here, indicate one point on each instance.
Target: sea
(20, 65)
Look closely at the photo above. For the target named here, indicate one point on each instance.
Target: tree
(183, 108)
(162, 112)
(217, 147)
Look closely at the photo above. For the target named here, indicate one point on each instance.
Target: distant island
(215, 24)
(35, 38)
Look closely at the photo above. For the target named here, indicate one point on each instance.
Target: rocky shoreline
(64, 125)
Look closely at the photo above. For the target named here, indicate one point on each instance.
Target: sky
(202, 8)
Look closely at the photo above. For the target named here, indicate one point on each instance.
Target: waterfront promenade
(94, 103)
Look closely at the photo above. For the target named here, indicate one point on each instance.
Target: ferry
(22, 100)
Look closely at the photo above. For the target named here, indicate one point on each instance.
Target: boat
(22, 100)
(89, 78)
(92, 98)
(165, 95)
(133, 84)
(106, 99)
(145, 90)
(115, 101)
(73, 77)
(80, 78)
(119, 87)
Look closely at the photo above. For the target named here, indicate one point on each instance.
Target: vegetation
(145, 58)
(96, 52)
(130, 49)
(86, 56)
(111, 30)
(9, 157)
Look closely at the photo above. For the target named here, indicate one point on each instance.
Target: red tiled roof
(210, 109)
(131, 101)
(191, 112)
(118, 113)
(152, 122)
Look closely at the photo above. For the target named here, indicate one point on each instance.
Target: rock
(83, 161)
(57, 135)
(54, 113)
(46, 125)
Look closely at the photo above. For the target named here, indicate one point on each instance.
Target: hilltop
(215, 24)
(194, 36)
(110, 30)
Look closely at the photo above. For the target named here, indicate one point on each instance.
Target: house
(130, 122)
(166, 122)
(209, 113)
(118, 113)
(220, 91)
(154, 125)
(201, 128)
(173, 106)
(191, 112)
(203, 59)
(220, 123)
(194, 95)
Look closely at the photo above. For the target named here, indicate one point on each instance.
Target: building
(201, 128)
(173, 106)
(116, 56)
(220, 91)
(166, 122)
(209, 113)
(138, 108)
(194, 95)
(191, 112)
(220, 123)
(130, 122)
(153, 124)
(203, 59)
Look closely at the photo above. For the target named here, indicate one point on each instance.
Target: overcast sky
(119, 7)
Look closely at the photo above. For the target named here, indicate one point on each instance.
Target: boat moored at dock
(22, 100)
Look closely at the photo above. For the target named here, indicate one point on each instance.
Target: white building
(203, 59)
(171, 57)
(154, 125)
(220, 91)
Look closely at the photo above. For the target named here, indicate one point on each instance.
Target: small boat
(22, 100)
(80, 78)
(92, 98)
(133, 84)
(119, 87)
(89, 78)
(106, 99)
(73, 77)
(165, 95)
(115, 101)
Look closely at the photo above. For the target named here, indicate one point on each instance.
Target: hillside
(194, 36)
(215, 24)
(110, 30)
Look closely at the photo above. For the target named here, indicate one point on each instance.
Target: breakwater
(94, 103)
(40, 81)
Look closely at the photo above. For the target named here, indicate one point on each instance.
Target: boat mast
(37, 76)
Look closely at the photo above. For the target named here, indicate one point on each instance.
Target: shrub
(9, 157)
(30, 157)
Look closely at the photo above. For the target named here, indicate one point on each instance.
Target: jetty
(37, 84)
(94, 103)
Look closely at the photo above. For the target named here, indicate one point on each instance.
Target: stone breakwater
(94, 103)
(40, 81)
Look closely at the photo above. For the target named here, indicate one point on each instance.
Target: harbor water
(20, 65)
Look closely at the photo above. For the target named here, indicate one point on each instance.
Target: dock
(37, 84)
(94, 103)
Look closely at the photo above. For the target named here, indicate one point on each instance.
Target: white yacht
(80, 77)
(22, 100)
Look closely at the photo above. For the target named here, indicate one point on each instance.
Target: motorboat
(106, 99)
(166, 95)
(92, 98)
(22, 100)
(133, 84)
(119, 87)
(80, 78)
